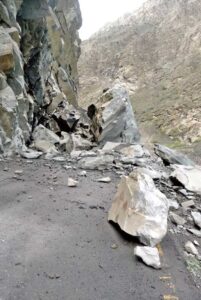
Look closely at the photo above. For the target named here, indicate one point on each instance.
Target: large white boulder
(140, 208)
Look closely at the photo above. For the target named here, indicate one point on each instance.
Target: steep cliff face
(156, 53)
(39, 50)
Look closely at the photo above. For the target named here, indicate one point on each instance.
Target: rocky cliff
(39, 50)
(156, 53)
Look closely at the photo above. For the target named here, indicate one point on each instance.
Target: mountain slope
(156, 52)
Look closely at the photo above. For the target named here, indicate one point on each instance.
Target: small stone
(82, 174)
(149, 255)
(183, 192)
(176, 219)
(5, 169)
(68, 167)
(72, 182)
(104, 179)
(195, 232)
(190, 248)
(188, 204)
(173, 204)
(114, 246)
(19, 172)
(197, 218)
(196, 243)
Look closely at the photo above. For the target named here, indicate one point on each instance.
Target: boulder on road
(140, 209)
(113, 119)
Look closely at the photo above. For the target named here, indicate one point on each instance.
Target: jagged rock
(110, 146)
(195, 232)
(30, 154)
(151, 172)
(72, 182)
(197, 218)
(190, 248)
(44, 138)
(188, 176)
(6, 52)
(140, 208)
(176, 219)
(170, 156)
(113, 120)
(104, 180)
(132, 151)
(188, 204)
(48, 39)
(149, 255)
(80, 143)
(97, 162)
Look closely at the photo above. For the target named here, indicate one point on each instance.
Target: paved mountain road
(55, 242)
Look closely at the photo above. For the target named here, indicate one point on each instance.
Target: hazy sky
(96, 13)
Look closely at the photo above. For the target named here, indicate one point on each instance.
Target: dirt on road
(56, 243)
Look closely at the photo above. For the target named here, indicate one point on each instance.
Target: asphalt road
(55, 242)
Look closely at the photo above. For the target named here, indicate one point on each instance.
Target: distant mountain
(156, 52)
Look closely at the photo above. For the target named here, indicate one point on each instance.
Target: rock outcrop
(39, 50)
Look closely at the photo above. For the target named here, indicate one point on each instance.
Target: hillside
(156, 52)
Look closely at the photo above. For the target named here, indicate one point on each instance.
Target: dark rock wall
(39, 50)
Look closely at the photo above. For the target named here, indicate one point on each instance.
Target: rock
(113, 120)
(72, 182)
(45, 139)
(98, 162)
(195, 232)
(30, 154)
(196, 243)
(114, 246)
(188, 176)
(197, 218)
(110, 146)
(190, 248)
(173, 204)
(188, 204)
(183, 192)
(132, 151)
(150, 256)
(6, 52)
(170, 156)
(19, 172)
(176, 219)
(140, 208)
(80, 143)
(82, 174)
(151, 172)
(104, 179)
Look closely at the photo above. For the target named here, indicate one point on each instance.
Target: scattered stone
(170, 156)
(110, 146)
(140, 208)
(150, 256)
(197, 218)
(5, 169)
(19, 172)
(188, 176)
(59, 158)
(68, 167)
(98, 162)
(72, 182)
(183, 192)
(30, 154)
(176, 219)
(196, 243)
(82, 174)
(152, 173)
(173, 204)
(194, 231)
(190, 248)
(132, 151)
(188, 204)
(104, 179)
(114, 246)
